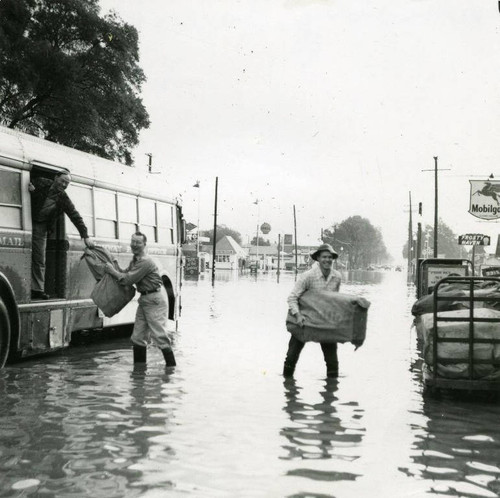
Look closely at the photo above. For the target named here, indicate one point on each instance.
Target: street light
(257, 233)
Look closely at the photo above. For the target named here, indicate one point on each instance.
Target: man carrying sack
(317, 312)
(152, 313)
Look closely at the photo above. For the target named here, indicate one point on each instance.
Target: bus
(115, 201)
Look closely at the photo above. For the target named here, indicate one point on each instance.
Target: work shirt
(47, 204)
(313, 279)
(144, 273)
(48, 209)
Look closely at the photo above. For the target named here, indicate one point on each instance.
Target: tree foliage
(447, 242)
(222, 231)
(357, 241)
(70, 75)
(262, 242)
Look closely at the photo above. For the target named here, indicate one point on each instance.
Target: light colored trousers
(151, 320)
(38, 246)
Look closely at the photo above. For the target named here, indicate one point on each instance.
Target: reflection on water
(456, 445)
(226, 424)
(75, 426)
(322, 430)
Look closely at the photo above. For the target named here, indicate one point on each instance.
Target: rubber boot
(288, 370)
(168, 354)
(139, 354)
(332, 373)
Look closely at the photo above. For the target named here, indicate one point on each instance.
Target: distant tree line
(222, 231)
(357, 241)
(447, 243)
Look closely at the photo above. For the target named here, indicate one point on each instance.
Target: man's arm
(76, 219)
(131, 276)
(293, 299)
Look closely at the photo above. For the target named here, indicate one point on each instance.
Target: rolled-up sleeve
(136, 272)
(293, 299)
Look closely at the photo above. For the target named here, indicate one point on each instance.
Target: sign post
(473, 239)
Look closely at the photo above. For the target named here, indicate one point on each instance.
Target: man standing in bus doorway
(48, 201)
(152, 313)
(320, 277)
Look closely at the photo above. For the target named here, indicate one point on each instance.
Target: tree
(447, 242)
(262, 242)
(358, 241)
(222, 231)
(71, 76)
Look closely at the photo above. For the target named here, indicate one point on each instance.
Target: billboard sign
(485, 199)
(288, 239)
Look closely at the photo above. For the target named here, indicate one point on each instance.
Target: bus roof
(27, 151)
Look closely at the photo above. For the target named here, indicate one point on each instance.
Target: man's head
(324, 255)
(138, 243)
(62, 180)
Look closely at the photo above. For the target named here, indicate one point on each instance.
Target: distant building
(229, 255)
(267, 257)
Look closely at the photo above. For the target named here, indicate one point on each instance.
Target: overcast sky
(332, 105)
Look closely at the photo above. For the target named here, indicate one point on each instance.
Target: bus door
(56, 249)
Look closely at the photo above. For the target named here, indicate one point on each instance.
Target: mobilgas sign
(473, 239)
(485, 199)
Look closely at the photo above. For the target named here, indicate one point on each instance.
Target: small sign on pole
(473, 239)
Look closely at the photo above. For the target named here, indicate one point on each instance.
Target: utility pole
(197, 185)
(257, 236)
(436, 195)
(419, 234)
(436, 219)
(279, 256)
(295, 231)
(215, 231)
(410, 240)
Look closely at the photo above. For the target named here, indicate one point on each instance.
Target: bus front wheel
(4, 333)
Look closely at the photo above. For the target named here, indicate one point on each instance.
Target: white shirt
(313, 279)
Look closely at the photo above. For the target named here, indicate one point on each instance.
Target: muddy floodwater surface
(225, 423)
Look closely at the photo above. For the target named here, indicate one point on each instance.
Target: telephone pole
(436, 195)
(410, 240)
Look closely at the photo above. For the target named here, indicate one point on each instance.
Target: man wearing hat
(320, 277)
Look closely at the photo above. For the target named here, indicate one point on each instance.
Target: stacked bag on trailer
(108, 295)
(460, 350)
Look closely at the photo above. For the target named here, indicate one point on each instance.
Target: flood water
(225, 423)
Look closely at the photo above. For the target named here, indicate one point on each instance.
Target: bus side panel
(15, 262)
(44, 330)
(81, 318)
(79, 280)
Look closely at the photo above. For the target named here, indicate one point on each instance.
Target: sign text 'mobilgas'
(476, 208)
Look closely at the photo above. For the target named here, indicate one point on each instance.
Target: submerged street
(225, 423)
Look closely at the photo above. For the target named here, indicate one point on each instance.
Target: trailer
(464, 350)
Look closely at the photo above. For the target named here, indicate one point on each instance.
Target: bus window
(82, 199)
(105, 214)
(127, 215)
(10, 199)
(147, 219)
(165, 223)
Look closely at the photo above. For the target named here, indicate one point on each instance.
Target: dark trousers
(329, 352)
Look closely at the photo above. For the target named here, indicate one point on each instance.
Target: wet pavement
(225, 423)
